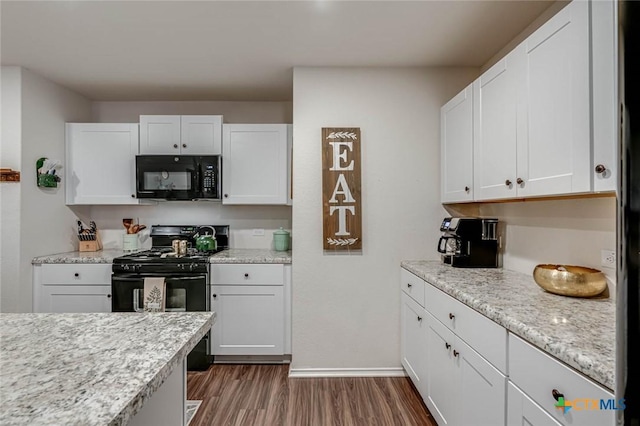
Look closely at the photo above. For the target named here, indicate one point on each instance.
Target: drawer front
(412, 286)
(76, 274)
(538, 374)
(483, 335)
(244, 274)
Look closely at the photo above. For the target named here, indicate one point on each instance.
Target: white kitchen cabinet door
(160, 134)
(495, 128)
(414, 343)
(100, 165)
(201, 135)
(482, 391)
(250, 320)
(444, 377)
(554, 138)
(255, 163)
(604, 28)
(522, 411)
(70, 298)
(456, 148)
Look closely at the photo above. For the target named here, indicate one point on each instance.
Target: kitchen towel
(154, 294)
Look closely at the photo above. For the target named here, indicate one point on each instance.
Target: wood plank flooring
(264, 395)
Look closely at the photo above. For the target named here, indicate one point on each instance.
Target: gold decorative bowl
(569, 280)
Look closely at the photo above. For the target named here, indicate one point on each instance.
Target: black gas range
(186, 277)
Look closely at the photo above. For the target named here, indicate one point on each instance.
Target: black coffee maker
(469, 242)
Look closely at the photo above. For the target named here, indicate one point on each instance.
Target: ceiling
(243, 50)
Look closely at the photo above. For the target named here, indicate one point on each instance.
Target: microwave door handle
(442, 245)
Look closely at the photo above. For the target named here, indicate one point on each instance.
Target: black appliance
(469, 242)
(178, 177)
(186, 278)
(628, 277)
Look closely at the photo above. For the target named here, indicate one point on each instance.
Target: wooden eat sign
(341, 192)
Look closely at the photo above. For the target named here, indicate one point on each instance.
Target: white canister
(130, 242)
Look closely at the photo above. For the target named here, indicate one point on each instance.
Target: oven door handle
(138, 277)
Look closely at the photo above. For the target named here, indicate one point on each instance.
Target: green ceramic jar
(281, 240)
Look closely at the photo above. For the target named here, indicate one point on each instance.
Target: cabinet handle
(556, 395)
(519, 181)
(507, 182)
(409, 285)
(246, 275)
(184, 145)
(77, 275)
(455, 353)
(215, 295)
(446, 345)
(419, 319)
(108, 296)
(451, 316)
(133, 195)
(175, 145)
(466, 189)
(226, 195)
(600, 168)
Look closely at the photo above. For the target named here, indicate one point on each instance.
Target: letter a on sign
(341, 193)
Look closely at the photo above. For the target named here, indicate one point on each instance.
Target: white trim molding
(347, 372)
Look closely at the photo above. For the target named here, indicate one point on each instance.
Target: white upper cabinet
(456, 148)
(185, 135)
(100, 165)
(554, 137)
(604, 28)
(494, 145)
(255, 167)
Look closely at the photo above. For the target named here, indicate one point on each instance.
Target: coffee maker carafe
(469, 242)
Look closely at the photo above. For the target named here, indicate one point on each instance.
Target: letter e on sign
(341, 189)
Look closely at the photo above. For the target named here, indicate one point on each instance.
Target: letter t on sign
(341, 189)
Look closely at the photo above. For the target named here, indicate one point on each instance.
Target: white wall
(346, 308)
(10, 191)
(46, 224)
(234, 112)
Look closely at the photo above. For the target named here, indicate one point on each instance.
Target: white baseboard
(347, 372)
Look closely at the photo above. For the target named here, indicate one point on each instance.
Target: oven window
(176, 300)
(168, 181)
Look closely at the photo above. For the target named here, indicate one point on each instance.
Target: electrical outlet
(259, 232)
(608, 258)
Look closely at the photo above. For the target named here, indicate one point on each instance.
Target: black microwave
(178, 177)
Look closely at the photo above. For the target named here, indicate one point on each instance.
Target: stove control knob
(191, 267)
(125, 267)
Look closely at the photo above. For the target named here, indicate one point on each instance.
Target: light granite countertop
(251, 256)
(579, 332)
(89, 369)
(225, 256)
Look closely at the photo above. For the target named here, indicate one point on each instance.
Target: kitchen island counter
(90, 369)
(580, 332)
(251, 256)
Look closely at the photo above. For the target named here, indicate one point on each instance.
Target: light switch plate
(258, 232)
(608, 258)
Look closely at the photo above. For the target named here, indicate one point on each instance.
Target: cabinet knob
(108, 296)
(226, 195)
(215, 295)
(600, 168)
(519, 181)
(76, 275)
(133, 195)
(184, 145)
(246, 275)
(409, 285)
(507, 182)
(455, 353)
(466, 189)
(556, 395)
(175, 145)
(419, 319)
(446, 345)
(451, 316)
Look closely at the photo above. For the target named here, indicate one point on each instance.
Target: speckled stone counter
(251, 256)
(89, 369)
(579, 332)
(102, 256)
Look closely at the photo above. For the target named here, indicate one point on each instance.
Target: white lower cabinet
(523, 411)
(414, 342)
(65, 288)
(252, 309)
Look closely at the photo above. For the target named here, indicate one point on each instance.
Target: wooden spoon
(127, 225)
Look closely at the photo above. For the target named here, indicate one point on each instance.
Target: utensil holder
(130, 242)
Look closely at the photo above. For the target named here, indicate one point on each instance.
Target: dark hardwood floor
(264, 395)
